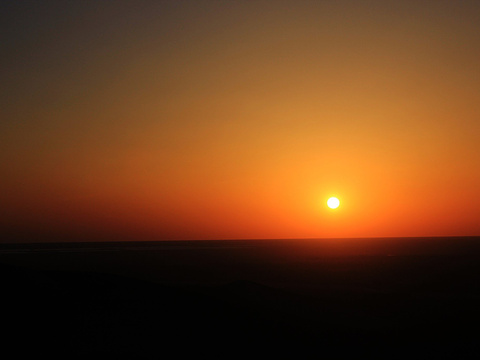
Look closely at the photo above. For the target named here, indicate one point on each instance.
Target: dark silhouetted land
(345, 298)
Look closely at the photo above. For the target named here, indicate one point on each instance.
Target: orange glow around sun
(216, 121)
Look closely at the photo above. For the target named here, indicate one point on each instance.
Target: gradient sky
(239, 119)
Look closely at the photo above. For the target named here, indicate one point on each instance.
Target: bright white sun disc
(333, 203)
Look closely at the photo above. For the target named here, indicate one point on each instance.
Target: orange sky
(219, 120)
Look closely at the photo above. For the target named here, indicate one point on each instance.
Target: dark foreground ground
(390, 298)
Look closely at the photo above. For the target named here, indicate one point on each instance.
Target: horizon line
(235, 239)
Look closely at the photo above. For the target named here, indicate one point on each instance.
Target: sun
(333, 203)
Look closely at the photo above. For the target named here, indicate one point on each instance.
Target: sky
(156, 120)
